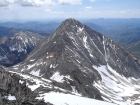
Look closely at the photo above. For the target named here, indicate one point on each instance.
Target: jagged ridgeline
(15, 48)
(73, 42)
(83, 61)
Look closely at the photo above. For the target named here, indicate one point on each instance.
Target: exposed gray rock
(11, 85)
(71, 52)
(15, 49)
(67, 47)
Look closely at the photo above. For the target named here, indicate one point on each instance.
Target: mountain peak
(69, 25)
(73, 37)
(71, 21)
(81, 60)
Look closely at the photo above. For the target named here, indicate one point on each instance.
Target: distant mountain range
(93, 26)
(124, 31)
(35, 26)
(15, 48)
(123, 35)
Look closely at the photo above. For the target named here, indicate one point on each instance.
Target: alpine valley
(74, 66)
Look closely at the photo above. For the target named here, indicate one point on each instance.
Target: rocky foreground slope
(14, 90)
(84, 62)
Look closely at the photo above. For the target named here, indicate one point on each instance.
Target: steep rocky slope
(15, 49)
(14, 90)
(81, 60)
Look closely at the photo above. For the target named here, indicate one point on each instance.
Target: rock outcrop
(14, 90)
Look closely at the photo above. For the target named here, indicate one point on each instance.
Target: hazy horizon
(59, 20)
(21, 10)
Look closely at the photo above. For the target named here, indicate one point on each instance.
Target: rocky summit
(80, 61)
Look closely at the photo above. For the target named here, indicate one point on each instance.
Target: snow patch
(33, 87)
(59, 78)
(74, 89)
(114, 86)
(30, 66)
(9, 97)
(85, 41)
(3, 57)
(53, 66)
(105, 49)
(80, 29)
(67, 99)
(32, 60)
(35, 73)
(51, 56)
(20, 81)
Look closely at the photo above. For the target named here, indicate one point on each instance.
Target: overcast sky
(18, 10)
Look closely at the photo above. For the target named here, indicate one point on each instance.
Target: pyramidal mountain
(83, 63)
(15, 48)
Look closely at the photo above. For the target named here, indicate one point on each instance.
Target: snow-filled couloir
(83, 61)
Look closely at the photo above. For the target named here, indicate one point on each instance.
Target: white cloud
(123, 12)
(69, 2)
(61, 12)
(56, 12)
(72, 12)
(96, 12)
(36, 3)
(48, 10)
(88, 8)
(92, 0)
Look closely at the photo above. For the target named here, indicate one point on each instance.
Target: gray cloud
(36, 3)
(24, 3)
(6, 3)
